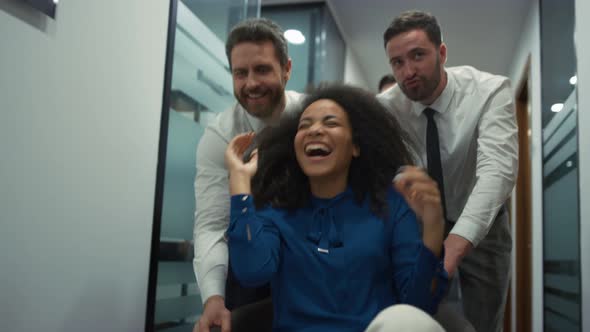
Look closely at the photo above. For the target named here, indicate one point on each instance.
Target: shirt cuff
(470, 231)
(433, 268)
(442, 277)
(213, 283)
(243, 223)
(430, 264)
(240, 206)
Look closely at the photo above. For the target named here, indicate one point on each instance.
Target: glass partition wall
(316, 46)
(198, 85)
(561, 215)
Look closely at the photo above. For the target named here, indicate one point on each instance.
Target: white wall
(529, 48)
(353, 73)
(80, 104)
(583, 57)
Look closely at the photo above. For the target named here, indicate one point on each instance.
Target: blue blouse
(333, 265)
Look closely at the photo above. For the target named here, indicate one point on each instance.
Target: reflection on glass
(561, 219)
(201, 87)
(316, 46)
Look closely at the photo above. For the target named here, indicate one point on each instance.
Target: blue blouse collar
(317, 202)
(323, 231)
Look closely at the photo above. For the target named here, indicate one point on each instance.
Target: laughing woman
(314, 213)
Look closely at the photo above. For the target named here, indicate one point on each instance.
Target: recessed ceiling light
(556, 107)
(573, 80)
(294, 37)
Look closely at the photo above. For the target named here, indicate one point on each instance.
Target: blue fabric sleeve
(254, 243)
(415, 266)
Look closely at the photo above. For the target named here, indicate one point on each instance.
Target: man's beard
(429, 85)
(262, 111)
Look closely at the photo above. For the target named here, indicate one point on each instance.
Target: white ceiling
(482, 33)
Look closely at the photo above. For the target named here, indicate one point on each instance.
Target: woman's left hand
(422, 194)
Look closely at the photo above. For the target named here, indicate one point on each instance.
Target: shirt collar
(327, 202)
(441, 104)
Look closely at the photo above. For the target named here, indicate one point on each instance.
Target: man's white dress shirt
(478, 137)
(212, 194)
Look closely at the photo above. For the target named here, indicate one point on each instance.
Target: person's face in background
(323, 144)
(259, 80)
(417, 65)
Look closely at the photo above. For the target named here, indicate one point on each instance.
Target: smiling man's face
(258, 78)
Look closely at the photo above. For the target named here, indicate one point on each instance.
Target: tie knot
(429, 112)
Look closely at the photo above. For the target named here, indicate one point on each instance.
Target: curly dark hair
(280, 181)
(412, 20)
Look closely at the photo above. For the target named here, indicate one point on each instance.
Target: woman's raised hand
(234, 156)
(422, 194)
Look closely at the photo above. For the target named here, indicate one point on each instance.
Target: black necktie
(433, 155)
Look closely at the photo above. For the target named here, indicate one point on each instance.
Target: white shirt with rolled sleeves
(478, 138)
(212, 194)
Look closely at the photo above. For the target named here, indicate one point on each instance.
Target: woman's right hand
(234, 156)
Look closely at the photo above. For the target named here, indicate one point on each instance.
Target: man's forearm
(211, 272)
(211, 216)
(484, 203)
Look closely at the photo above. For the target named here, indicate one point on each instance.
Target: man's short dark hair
(386, 79)
(412, 20)
(258, 30)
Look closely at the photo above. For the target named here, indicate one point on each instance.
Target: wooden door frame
(523, 211)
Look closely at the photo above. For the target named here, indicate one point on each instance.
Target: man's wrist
(213, 282)
(214, 298)
(457, 247)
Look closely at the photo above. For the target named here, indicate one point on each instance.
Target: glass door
(561, 215)
(198, 86)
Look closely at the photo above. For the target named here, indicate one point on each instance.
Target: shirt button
(244, 198)
(244, 210)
